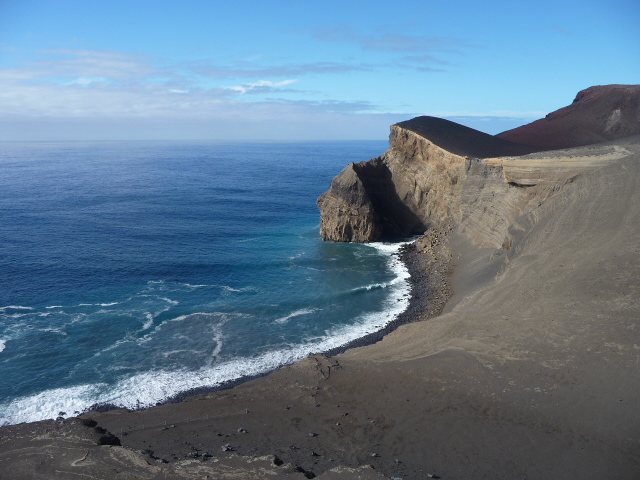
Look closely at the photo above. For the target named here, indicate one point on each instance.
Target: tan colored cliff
(417, 183)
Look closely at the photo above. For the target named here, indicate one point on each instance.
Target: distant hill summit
(598, 114)
(461, 140)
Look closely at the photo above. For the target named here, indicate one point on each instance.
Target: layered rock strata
(440, 174)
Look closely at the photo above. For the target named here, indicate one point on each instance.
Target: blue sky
(299, 70)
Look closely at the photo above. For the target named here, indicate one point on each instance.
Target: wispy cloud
(423, 63)
(47, 99)
(90, 64)
(87, 80)
(254, 70)
(85, 84)
(390, 42)
(332, 106)
(416, 52)
(80, 83)
(263, 86)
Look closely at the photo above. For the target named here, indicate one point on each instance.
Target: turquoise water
(131, 272)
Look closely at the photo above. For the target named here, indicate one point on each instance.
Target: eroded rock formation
(442, 174)
(417, 183)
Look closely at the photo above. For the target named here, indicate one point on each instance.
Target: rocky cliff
(414, 184)
(441, 174)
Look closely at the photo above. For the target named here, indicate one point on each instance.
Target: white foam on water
(399, 268)
(216, 351)
(106, 304)
(3, 345)
(227, 288)
(15, 307)
(372, 286)
(58, 330)
(244, 240)
(182, 318)
(220, 317)
(49, 404)
(213, 358)
(149, 322)
(21, 311)
(297, 313)
(169, 301)
(148, 388)
(15, 315)
(150, 317)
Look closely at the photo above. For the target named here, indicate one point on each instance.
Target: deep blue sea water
(130, 272)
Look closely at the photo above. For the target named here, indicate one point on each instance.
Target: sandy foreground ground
(531, 372)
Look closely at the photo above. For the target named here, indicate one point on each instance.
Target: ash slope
(598, 114)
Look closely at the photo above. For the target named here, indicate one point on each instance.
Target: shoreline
(428, 293)
(250, 416)
(426, 259)
(418, 294)
(138, 430)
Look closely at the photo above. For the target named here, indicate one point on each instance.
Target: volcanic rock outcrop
(442, 174)
(597, 114)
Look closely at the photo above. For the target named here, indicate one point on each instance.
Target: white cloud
(250, 69)
(78, 94)
(262, 85)
(90, 64)
(86, 99)
(87, 81)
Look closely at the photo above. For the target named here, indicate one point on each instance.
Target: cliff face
(417, 183)
(393, 196)
(348, 213)
(390, 196)
(413, 185)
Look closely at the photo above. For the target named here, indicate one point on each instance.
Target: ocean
(133, 271)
